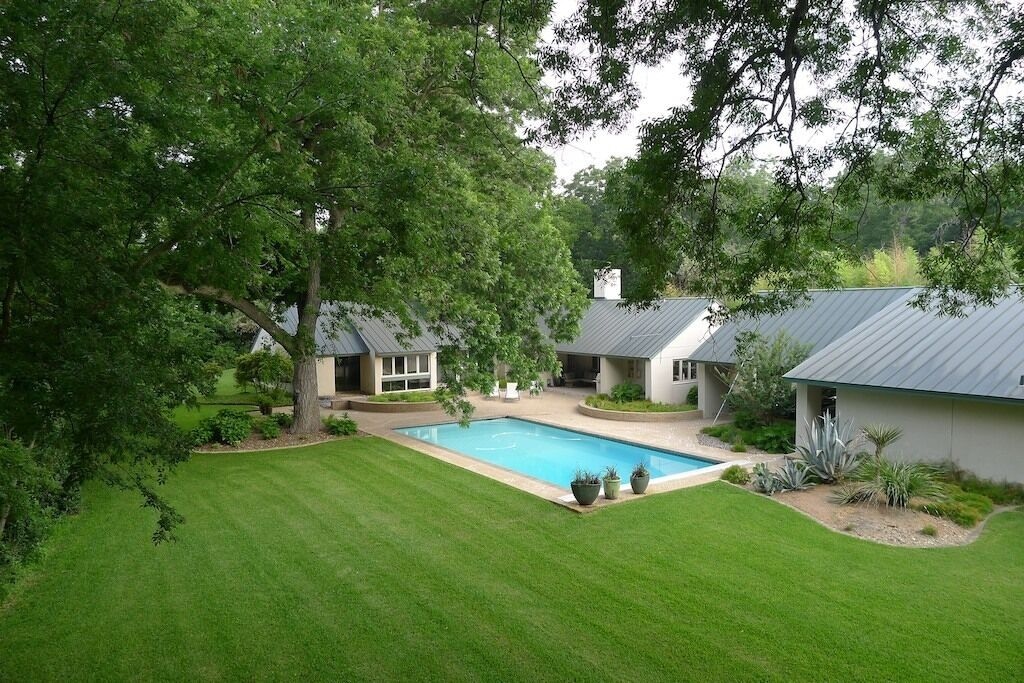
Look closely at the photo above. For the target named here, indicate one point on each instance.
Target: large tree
(821, 88)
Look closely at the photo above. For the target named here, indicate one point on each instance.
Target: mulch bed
(255, 442)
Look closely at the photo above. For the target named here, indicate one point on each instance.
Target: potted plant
(585, 487)
(640, 478)
(612, 482)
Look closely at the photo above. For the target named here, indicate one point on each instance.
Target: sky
(661, 88)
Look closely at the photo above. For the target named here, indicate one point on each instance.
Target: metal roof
(608, 329)
(343, 332)
(829, 314)
(903, 348)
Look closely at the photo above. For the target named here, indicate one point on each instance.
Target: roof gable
(827, 316)
(979, 355)
(608, 329)
(344, 332)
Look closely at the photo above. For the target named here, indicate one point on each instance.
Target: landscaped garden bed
(774, 438)
(396, 402)
(236, 431)
(626, 403)
(867, 495)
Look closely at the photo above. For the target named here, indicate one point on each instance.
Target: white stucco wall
(661, 387)
(982, 437)
(325, 376)
(808, 401)
(613, 371)
(711, 391)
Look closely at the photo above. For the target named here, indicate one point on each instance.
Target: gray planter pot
(586, 494)
(611, 488)
(639, 484)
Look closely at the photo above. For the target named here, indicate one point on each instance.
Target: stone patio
(557, 407)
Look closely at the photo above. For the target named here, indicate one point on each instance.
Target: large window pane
(387, 366)
(424, 363)
(419, 383)
(399, 365)
(393, 385)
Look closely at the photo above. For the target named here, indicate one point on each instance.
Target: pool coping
(546, 490)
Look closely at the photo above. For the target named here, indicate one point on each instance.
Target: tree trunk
(306, 406)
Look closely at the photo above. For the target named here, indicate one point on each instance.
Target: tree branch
(244, 306)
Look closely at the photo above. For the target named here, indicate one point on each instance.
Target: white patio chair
(495, 392)
(512, 391)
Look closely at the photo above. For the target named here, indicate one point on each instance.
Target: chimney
(608, 284)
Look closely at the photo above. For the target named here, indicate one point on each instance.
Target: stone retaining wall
(626, 416)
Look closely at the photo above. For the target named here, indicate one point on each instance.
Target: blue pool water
(549, 453)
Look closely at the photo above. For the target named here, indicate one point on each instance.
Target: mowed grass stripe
(364, 560)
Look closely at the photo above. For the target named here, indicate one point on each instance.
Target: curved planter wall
(365, 406)
(624, 416)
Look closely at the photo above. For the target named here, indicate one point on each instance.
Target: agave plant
(883, 481)
(763, 480)
(792, 476)
(829, 454)
(881, 436)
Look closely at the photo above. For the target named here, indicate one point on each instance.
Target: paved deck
(557, 407)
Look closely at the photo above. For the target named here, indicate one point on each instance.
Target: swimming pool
(550, 454)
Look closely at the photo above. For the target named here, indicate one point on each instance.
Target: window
(409, 372)
(684, 370)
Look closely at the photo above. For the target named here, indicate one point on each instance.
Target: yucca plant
(883, 481)
(763, 480)
(881, 436)
(792, 476)
(829, 454)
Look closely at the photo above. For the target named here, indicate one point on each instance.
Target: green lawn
(227, 395)
(363, 560)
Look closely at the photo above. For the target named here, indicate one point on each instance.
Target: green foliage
(405, 397)
(929, 530)
(878, 480)
(960, 514)
(829, 454)
(763, 480)
(605, 402)
(31, 497)
(776, 438)
(793, 476)
(627, 392)
(264, 370)
(1000, 493)
(585, 477)
(611, 473)
(285, 420)
(759, 392)
(881, 436)
(691, 395)
(736, 474)
(340, 426)
(640, 470)
(229, 427)
(739, 447)
(268, 427)
(692, 190)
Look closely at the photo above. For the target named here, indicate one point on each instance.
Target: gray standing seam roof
(352, 334)
(608, 329)
(827, 316)
(903, 348)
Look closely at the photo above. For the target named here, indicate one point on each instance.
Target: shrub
(758, 388)
(229, 427)
(691, 396)
(736, 474)
(776, 438)
(640, 470)
(1000, 493)
(269, 428)
(284, 420)
(264, 370)
(604, 402)
(739, 447)
(929, 530)
(340, 426)
(828, 455)
(881, 436)
(203, 433)
(792, 476)
(626, 392)
(763, 481)
(893, 483)
(958, 513)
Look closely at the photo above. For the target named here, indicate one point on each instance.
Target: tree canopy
(821, 89)
(261, 155)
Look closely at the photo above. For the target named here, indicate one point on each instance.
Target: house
(649, 347)
(369, 354)
(827, 315)
(954, 385)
